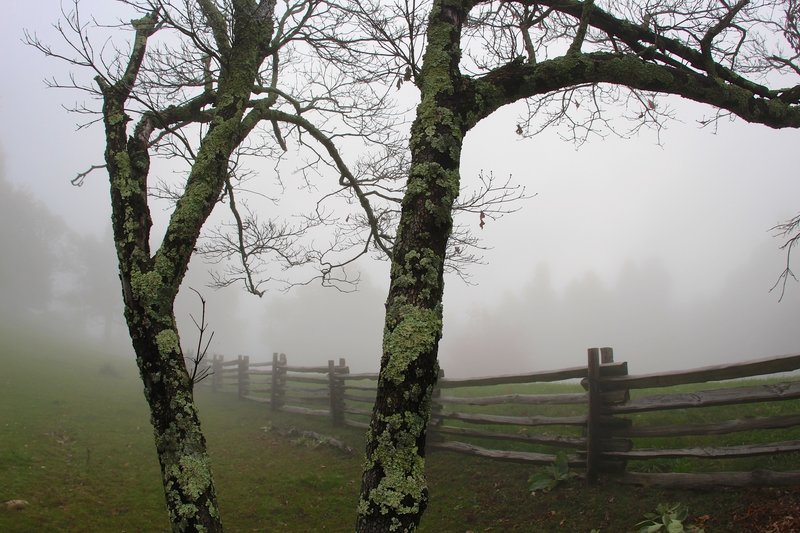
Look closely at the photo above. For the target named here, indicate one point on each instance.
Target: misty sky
(661, 251)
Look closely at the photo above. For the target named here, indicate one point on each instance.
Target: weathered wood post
(436, 409)
(336, 391)
(244, 377)
(216, 372)
(278, 390)
(602, 429)
(609, 425)
(273, 391)
(606, 355)
(332, 393)
(593, 415)
(341, 371)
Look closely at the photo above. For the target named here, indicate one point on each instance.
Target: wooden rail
(494, 417)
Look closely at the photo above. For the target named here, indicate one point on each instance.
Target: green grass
(75, 442)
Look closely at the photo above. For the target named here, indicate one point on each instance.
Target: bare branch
(714, 31)
(243, 255)
(199, 371)
(219, 26)
(583, 24)
(78, 180)
(791, 230)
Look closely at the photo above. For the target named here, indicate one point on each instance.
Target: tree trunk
(180, 444)
(394, 490)
(150, 282)
(149, 287)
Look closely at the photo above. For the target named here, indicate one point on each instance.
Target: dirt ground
(771, 511)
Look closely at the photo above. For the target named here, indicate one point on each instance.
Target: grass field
(75, 443)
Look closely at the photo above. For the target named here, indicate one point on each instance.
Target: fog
(66, 282)
(658, 246)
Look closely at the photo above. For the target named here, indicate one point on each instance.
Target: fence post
(278, 390)
(593, 416)
(606, 355)
(436, 407)
(336, 392)
(216, 372)
(609, 425)
(341, 371)
(244, 377)
(273, 390)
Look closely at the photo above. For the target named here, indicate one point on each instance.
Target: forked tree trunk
(150, 282)
(149, 286)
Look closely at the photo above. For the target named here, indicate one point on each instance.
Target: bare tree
(210, 85)
(588, 68)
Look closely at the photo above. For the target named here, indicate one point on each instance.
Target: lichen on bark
(394, 488)
(167, 342)
(416, 333)
(150, 282)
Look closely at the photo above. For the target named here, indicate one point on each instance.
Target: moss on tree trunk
(394, 490)
(150, 282)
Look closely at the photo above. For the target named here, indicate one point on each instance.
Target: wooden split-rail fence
(598, 427)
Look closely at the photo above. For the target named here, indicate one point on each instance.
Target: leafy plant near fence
(668, 518)
(549, 477)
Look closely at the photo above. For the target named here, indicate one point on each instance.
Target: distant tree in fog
(48, 272)
(31, 243)
(93, 295)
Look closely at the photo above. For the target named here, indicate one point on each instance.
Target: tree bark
(185, 468)
(394, 490)
(149, 286)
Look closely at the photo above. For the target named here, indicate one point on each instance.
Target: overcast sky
(694, 212)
